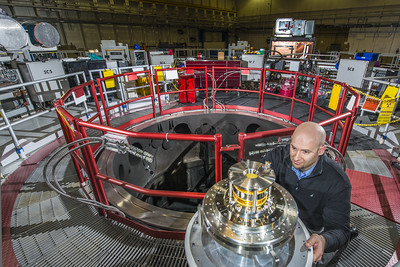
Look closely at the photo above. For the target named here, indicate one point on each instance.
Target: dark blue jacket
(323, 198)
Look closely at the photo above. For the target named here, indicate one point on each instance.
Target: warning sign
(390, 92)
(245, 72)
(386, 111)
(336, 90)
(371, 104)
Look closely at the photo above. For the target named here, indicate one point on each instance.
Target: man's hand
(318, 243)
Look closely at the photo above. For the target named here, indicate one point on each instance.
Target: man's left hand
(318, 243)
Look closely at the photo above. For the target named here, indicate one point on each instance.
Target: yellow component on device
(249, 192)
(247, 202)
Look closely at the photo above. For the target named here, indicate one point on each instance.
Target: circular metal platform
(212, 254)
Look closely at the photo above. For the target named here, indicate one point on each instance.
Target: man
(319, 186)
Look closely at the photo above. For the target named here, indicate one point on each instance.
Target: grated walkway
(51, 230)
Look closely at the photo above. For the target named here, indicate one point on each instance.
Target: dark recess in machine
(187, 165)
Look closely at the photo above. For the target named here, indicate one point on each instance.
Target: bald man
(319, 186)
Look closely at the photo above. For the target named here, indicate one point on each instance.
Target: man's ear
(321, 150)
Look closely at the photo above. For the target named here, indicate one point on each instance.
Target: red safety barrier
(74, 128)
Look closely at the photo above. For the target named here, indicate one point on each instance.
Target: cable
(339, 158)
(59, 189)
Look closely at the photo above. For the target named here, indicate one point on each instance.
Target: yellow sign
(386, 111)
(333, 102)
(390, 92)
(110, 83)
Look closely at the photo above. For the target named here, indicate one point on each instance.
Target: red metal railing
(233, 71)
(196, 72)
(76, 129)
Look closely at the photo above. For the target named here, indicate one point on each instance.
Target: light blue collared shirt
(301, 175)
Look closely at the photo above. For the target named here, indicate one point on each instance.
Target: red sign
(371, 104)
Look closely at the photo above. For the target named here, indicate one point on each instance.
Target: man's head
(307, 145)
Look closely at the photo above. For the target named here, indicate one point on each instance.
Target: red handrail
(75, 128)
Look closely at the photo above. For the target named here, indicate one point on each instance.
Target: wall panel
(91, 35)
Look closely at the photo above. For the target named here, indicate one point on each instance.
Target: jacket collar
(317, 170)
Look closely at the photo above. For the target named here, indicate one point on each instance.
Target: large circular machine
(247, 220)
(12, 34)
(42, 34)
(178, 165)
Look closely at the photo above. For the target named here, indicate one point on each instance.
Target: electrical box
(138, 57)
(159, 58)
(298, 27)
(253, 61)
(353, 71)
(309, 28)
(111, 51)
(287, 27)
(45, 91)
(282, 27)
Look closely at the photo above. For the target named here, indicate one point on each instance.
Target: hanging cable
(57, 187)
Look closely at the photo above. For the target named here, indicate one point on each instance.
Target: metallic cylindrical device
(12, 34)
(247, 220)
(42, 34)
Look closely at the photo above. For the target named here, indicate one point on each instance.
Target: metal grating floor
(375, 244)
(50, 230)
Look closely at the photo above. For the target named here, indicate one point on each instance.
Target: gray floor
(51, 230)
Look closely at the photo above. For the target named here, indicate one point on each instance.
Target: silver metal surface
(239, 175)
(271, 227)
(247, 220)
(201, 250)
(12, 34)
(140, 210)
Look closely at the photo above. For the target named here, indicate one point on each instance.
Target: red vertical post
(213, 86)
(103, 101)
(293, 97)
(205, 75)
(344, 136)
(352, 120)
(158, 90)
(98, 189)
(68, 139)
(96, 101)
(314, 98)
(218, 157)
(241, 146)
(338, 112)
(260, 91)
(152, 94)
(264, 79)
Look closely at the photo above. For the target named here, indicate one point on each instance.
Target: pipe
(18, 148)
